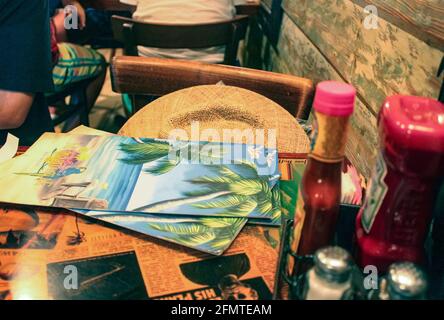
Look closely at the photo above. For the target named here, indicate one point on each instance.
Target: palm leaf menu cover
(207, 234)
(120, 174)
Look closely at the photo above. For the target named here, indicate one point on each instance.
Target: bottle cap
(406, 281)
(333, 264)
(414, 122)
(334, 98)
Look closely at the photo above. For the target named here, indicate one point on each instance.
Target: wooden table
(55, 240)
(219, 107)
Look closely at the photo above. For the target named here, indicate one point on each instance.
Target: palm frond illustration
(289, 191)
(222, 222)
(276, 213)
(143, 151)
(216, 234)
(151, 151)
(276, 210)
(238, 194)
(165, 156)
(288, 198)
(212, 235)
(163, 165)
(246, 193)
(188, 234)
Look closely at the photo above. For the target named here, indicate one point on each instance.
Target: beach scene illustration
(121, 174)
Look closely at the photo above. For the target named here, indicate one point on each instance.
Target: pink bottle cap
(414, 122)
(334, 98)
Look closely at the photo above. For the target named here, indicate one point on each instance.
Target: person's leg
(78, 63)
(94, 88)
(92, 93)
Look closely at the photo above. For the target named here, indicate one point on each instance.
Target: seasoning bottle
(331, 276)
(404, 281)
(394, 221)
(319, 196)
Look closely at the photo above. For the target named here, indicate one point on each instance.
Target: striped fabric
(76, 63)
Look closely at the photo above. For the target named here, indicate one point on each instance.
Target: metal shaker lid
(406, 281)
(333, 264)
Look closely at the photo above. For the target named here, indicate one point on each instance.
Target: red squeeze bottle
(394, 221)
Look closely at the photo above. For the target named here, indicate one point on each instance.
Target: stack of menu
(197, 194)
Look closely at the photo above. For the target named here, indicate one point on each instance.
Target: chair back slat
(169, 36)
(157, 77)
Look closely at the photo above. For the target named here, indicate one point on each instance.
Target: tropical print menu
(120, 175)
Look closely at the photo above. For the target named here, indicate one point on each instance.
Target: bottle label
(329, 138)
(377, 192)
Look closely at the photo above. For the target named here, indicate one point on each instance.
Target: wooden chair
(157, 77)
(248, 9)
(135, 33)
(116, 6)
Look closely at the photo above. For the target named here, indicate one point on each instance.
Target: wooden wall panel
(297, 55)
(379, 62)
(326, 39)
(331, 27)
(423, 19)
(363, 144)
(390, 61)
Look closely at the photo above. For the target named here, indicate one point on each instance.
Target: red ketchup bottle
(394, 221)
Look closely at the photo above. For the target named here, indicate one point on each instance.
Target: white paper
(9, 149)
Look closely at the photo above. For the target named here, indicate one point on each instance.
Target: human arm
(25, 62)
(14, 107)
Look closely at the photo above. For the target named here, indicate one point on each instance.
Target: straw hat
(222, 109)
